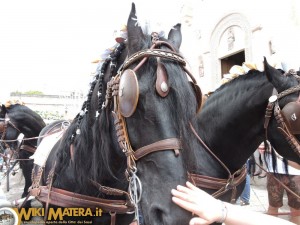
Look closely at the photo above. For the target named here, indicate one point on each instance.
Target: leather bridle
(114, 91)
(287, 118)
(4, 123)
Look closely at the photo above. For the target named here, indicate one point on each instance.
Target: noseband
(288, 118)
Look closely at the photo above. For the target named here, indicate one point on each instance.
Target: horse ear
(175, 36)
(135, 33)
(273, 75)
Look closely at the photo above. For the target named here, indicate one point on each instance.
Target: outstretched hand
(198, 202)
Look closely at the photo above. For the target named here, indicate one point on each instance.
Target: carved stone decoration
(234, 19)
(230, 38)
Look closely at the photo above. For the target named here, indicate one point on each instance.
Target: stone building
(219, 34)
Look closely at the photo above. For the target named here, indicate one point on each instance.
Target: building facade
(219, 34)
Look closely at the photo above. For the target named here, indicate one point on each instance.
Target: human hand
(198, 202)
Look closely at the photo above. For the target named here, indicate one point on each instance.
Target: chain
(135, 192)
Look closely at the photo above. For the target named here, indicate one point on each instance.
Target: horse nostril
(159, 215)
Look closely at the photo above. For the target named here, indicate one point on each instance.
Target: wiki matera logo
(8, 216)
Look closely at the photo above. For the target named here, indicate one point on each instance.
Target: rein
(221, 185)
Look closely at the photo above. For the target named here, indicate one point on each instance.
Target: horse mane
(236, 84)
(80, 132)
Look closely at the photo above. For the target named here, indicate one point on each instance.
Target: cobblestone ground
(258, 199)
(13, 191)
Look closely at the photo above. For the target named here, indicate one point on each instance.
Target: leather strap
(221, 185)
(28, 148)
(63, 198)
(112, 218)
(166, 144)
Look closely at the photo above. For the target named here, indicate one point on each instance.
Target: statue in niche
(230, 38)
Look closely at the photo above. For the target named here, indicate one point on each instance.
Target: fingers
(189, 206)
(192, 187)
(182, 196)
(198, 221)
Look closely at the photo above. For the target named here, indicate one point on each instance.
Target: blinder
(291, 115)
(128, 93)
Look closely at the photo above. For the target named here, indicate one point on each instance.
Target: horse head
(16, 120)
(284, 104)
(150, 113)
(233, 123)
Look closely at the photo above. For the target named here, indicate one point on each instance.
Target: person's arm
(209, 210)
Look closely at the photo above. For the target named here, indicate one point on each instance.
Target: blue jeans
(245, 196)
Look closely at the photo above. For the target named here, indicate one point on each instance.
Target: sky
(48, 45)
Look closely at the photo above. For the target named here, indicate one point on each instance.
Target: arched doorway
(230, 45)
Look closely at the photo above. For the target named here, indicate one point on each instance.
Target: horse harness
(289, 124)
(124, 90)
(289, 117)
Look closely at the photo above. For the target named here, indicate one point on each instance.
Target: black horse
(234, 120)
(130, 132)
(14, 120)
